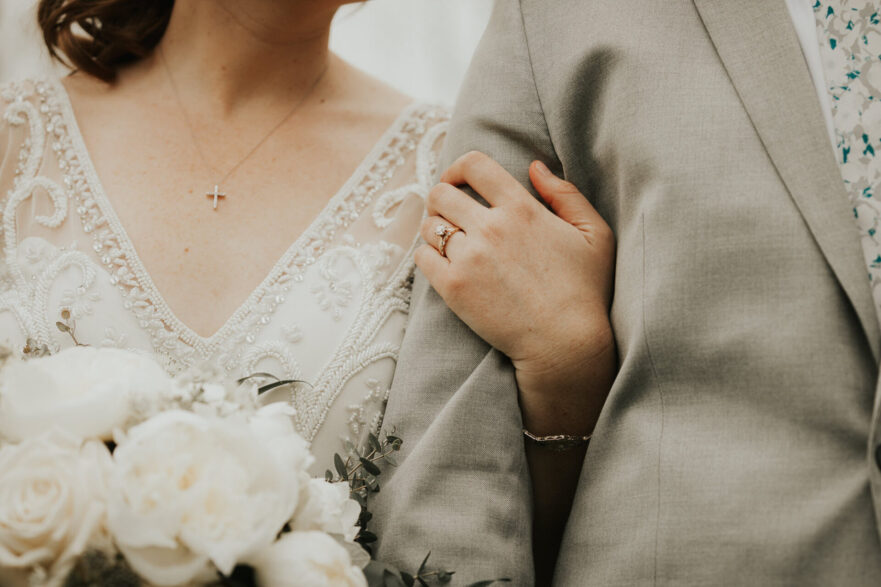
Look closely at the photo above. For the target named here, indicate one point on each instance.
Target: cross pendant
(216, 194)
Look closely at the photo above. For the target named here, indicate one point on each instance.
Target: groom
(739, 444)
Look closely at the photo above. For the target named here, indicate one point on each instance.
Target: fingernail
(542, 168)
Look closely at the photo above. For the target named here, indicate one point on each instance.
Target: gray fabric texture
(735, 446)
(462, 488)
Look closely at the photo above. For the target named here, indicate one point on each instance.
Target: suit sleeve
(462, 489)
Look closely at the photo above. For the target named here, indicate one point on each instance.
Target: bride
(212, 186)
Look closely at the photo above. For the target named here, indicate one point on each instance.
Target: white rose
(53, 491)
(188, 491)
(307, 559)
(83, 390)
(327, 507)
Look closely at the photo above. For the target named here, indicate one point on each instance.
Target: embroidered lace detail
(293, 333)
(328, 312)
(366, 416)
(114, 339)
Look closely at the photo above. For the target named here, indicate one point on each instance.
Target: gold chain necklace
(217, 193)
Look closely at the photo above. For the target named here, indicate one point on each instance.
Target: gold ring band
(444, 239)
(444, 233)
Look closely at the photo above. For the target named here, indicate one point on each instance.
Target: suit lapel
(758, 46)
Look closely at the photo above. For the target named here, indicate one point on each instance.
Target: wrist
(564, 362)
(571, 353)
(565, 394)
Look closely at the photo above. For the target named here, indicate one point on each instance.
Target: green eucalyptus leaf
(424, 562)
(340, 467)
(275, 384)
(408, 579)
(370, 467)
(393, 580)
(62, 327)
(374, 442)
(379, 574)
(367, 537)
(257, 376)
(328, 476)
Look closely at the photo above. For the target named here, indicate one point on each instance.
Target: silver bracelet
(557, 442)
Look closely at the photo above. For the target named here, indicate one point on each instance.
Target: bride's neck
(227, 54)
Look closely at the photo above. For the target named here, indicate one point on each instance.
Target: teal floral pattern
(850, 47)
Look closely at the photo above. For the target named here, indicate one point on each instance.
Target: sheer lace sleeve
(10, 145)
(5, 139)
(13, 151)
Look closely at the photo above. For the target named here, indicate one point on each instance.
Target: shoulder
(374, 103)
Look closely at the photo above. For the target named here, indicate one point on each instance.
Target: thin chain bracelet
(557, 442)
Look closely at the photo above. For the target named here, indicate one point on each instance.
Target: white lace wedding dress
(331, 312)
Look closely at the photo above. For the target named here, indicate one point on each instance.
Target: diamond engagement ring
(443, 233)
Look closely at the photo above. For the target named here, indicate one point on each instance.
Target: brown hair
(99, 36)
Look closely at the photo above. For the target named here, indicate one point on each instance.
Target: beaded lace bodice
(331, 311)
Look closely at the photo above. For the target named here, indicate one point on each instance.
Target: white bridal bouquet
(114, 473)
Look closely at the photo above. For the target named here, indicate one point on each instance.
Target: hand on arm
(537, 285)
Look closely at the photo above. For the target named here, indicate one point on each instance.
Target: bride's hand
(535, 284)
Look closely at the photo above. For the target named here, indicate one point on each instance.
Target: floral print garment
(849, 32)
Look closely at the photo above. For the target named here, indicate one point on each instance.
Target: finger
(487, 178)
(432, 265)
(455, 205)
(563, 197)
(454, 241)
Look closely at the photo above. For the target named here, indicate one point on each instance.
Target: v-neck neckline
(206, 345)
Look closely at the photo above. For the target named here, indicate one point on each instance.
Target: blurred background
(421, 47)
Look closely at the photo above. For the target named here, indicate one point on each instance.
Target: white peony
(307, 559)
(85, 391)
(327, 507)
(190, 491)
(53, 491)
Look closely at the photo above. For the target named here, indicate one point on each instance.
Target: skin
(239, 66)
(558, 338)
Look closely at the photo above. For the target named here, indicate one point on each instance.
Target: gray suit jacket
(737, 445)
